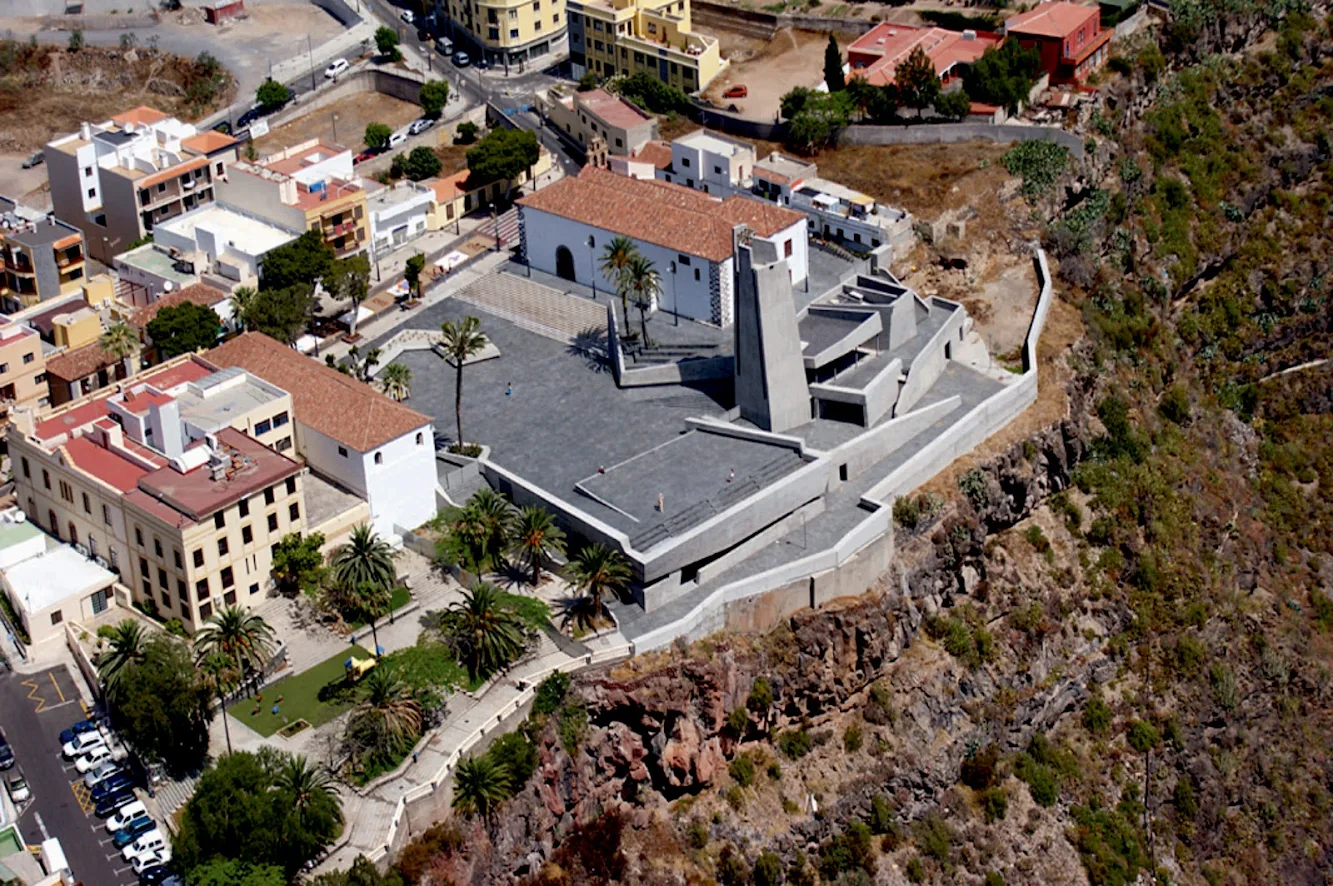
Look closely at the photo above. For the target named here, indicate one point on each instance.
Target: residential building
(223, 242)
(174, 481)
(583, 116)
(689, 236)
(348, 432)
(875, 55)
(42, 257)
(454, 196)
(22, 369)
(610, 37)
(48, 583)
(645, 163)
(1068, 37)
(150, 271)
(710, 162)
(310, 186)
(398, 213)
(80, 371)
(199, 294)
(116, 180)
(507, 32)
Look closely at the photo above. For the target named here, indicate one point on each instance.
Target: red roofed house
(582, 116)
(1068, 37)
(687, 235)
(876, 54)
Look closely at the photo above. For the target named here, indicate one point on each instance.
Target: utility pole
(310, 51)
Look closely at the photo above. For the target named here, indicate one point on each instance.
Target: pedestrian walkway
(540, 309)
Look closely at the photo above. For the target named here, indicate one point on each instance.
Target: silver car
(18, 788)
(420, 125)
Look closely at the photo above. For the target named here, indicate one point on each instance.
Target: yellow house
(506, 32)
(455, 196)
(621, 37)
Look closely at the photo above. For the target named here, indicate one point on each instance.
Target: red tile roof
(80, 362)
(140, 116)
(1057, 19)
(655, 152)
(182, 373)
(72, 419)
(668, 215)
(200, 294)
(104, 464)
(875, 56)
(208, 142)
(339, 407)
(137, 404)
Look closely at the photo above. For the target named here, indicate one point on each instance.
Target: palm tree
(397, 381)
(309, 798)
(121, 340)
(598, 570)
(305, 783)
(644, 285)
(372, 601)
(480, 786)
(241, 636)
(462, 341)
(615, 260)
(242, 303)
(388, 712)
(220, 676)
(365, 558)
(127, 643)
(485, 633)
(537, 538)
(480, 530)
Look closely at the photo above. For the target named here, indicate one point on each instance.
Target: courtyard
(316, 695)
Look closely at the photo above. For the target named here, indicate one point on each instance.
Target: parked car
(336, 67)
(461, 60)
(125, 815)
(250, 116)
(133, 831)
(6, 753)
(108, 805)
(95, 756)
(101, 772)
(158, 859)
(362, 157)
(79, 728)
(36, 158)
(444, 46)
(420, 125)
(147, 843)
(407, 16)
(160, 875)
(18, 787)
(737, 91)
(397, 139)
(121, 781)
(82, 744)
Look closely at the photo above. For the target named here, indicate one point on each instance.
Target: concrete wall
(947, 133)
(929, 362)
(680, 372)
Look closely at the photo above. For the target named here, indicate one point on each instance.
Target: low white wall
(929, 362)
(874, 445)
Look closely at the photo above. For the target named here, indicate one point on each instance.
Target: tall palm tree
(598, 571)
(242, 303)
(309, 798)
(480, 786)
(219, 674)
(305, 783)
(387, 712)
(121, 340)
(372, 601)
(644, 285)
(481, 530)
(397, 381)
(615, 260)
(485, 633)
(537, 538)
(461, 341)
(126, 646)
(365, 558)
(241, 636)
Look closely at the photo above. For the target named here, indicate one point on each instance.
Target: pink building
(877, 54)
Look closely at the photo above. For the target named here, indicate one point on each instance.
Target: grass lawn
(399, 598)
(301, 697)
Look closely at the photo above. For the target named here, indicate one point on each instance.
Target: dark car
(159, 875)
(132, 831)
(110, 804)
(121, 781)
(76, 730)
(6, 754)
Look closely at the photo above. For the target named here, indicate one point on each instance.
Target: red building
(876, 55)
(1068, 36)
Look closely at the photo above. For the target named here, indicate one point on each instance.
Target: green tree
(483, 630)
(597, 571)
(918, 84)
(160, 707)
(365, 558)
(240, 635)
(421, 163)
(644, 285)
(833, 75)
(272, 95)
(371, 602)
(75, 40)
(954, 105)
(1002, 76)
(281, 314)
(616, 257)
(479, 532)
(412, 269)
(387, 719)
(462, 340)
(349, 280)
(652, 94)
(242, 302)
(502, 155)
(220, 676)
(231, 872)
(396, 381)
(386, 41)
(480, 786)
(537, 538)
(307, 805)
(795, 100)
(377, 136)
(434, 96)
(125, 646)
(298, 564)
(362, 873)
(301, 262)
(184, 329)
(466, 133)
(820, 121)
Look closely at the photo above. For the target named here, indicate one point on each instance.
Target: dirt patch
(353, 113)
(768, 69)
(47, 91)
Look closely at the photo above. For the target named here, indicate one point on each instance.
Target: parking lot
(34, 708)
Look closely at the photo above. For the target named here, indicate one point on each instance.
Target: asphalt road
(34, 708)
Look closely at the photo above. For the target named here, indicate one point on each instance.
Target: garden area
(316, 696)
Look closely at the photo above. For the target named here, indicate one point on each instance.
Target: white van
(125, 814)
(148, 843)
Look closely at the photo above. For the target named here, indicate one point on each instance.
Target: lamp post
(592, 265)
(675, 308)
(310, 52)
(335, 128)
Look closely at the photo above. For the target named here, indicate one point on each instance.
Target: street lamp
(335, 128)
(310, 52)
(592, 264)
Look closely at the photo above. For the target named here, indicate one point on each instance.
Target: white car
(397, 139)
(336, 67)
(93, 758)
(82, 744)
(141, 863)
(101, 772)
(125, 814)
(420, 125)
(18, 788)
(149, 843)
(407, 16)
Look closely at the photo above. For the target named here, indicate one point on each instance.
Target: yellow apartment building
(40, 257)
(507, 32)
(22, 369)
(621, 37)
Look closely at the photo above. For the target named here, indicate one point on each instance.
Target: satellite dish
(166, 287)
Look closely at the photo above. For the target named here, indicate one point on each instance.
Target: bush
(697, 834)
(881, 814)
(516, 752)
(735, 798)
(652, 94)
(1097, 715)
(466, 133)
(979, 770)
(995, 804)
(421, 163)
(768, 869)
(761, 696)
(386, 41)
(1182, 797)
(1175, 405)
(993, 878)
(916, 870)
(1039, 778)
(1225, 691)
(551, 693)
(737, 720)
(935, 837)
(1038, 163)
(879, 705)
(742, 770)
(851, 738)
(75, 40)
(1142, 736)
(272, 95)
(794, 743)
(973, 486)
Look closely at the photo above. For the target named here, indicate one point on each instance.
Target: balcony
(64, 260)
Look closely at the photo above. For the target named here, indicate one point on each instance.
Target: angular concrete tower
(771, 389)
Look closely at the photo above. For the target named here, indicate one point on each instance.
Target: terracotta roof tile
(339, 407)
(764, 218)
(450, 187)
(1058, 19)
(172, 171)
(656, 153)
(80, 362)
(875, 56)
(140, 116)
(208, 142)
(199, 294)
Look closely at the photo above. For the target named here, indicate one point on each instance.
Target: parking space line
(52, 676)
(82, 796)
(33, 696)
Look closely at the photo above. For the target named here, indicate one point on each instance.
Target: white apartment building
(398, 213)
